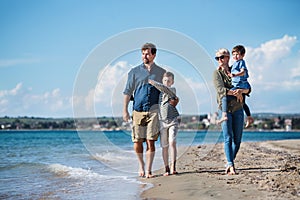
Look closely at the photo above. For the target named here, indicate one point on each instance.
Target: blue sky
(44, 45)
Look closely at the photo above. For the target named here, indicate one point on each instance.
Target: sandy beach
(265, 170)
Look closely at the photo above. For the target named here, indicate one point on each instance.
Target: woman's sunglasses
(221, 57)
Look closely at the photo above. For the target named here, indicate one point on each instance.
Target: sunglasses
(221, 57)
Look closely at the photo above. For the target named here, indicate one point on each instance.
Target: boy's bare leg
(174, 156)
(165, 155)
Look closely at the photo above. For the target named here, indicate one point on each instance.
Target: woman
(232, 127)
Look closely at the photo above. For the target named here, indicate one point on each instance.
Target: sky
(65, 58)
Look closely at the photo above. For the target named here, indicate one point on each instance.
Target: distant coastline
(262, 122)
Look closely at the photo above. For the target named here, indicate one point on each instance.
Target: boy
(169, 120)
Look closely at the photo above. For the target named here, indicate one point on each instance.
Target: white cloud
(108, 79)
(106, 96)
(271, 65)
(274, 75)
(20, 101)
(11, 92)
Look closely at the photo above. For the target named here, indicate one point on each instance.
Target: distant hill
(197, 122)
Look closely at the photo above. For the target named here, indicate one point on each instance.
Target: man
(145, 106)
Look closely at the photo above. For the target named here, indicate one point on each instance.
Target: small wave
(63, 171)
(115, 157)
(70, 172)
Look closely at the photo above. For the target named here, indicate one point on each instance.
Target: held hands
(231, 75)
(174, 101)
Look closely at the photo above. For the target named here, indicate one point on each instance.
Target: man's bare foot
(149, 174)
(141, 174)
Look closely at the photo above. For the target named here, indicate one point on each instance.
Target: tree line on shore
(190, 122)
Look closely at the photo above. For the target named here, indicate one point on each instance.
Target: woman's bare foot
(231, 171)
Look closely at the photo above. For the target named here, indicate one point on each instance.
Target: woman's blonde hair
(222, 52)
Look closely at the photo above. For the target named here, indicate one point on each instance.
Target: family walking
(154, 108)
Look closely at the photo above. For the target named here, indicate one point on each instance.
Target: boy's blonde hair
(169, 74)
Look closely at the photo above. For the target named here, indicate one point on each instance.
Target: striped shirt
(167, 111)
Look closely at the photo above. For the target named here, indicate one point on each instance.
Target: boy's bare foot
(222, 120)
(167, 172)
(174, 172)
(249, 121)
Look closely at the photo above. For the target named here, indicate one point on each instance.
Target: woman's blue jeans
(232, 133)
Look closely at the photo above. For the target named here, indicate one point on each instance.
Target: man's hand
(174, 101)
(126, 116)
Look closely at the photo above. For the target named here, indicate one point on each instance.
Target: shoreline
(265, 170)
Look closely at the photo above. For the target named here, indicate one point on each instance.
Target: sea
(71, 164)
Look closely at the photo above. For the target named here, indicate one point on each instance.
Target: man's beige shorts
(145, 126)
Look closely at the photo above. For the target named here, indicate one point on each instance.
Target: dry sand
(266, 170)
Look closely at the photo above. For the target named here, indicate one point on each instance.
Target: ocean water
(86, 164)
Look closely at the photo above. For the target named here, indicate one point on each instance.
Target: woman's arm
(238, 93)
(219, 84)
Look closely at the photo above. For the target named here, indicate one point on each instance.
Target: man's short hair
(150, 46)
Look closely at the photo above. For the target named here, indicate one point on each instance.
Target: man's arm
(126, 115)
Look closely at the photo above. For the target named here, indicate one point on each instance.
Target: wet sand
(265, 170)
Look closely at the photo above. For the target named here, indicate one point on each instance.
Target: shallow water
(87, 164)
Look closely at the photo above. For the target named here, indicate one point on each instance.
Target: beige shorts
(145, 126)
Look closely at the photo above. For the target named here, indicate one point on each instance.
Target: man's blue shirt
(145, 95)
